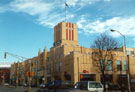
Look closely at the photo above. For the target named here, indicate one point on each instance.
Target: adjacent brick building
(4, 75)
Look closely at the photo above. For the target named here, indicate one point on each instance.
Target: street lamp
(125, 57)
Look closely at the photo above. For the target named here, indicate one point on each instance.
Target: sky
(27, 25)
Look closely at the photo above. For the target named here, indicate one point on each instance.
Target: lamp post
(128, 79)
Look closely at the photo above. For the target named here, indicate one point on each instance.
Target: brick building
(66, 60)
(4, 75)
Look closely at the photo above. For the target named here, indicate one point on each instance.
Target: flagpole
(65, 10)
(66, 5)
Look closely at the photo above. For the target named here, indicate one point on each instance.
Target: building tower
(65, 33)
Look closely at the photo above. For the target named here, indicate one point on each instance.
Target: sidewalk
(22, 89)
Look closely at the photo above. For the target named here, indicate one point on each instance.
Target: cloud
(81, 3)
(48, 13)
(31, 7)
(40, 8)
(125, 25)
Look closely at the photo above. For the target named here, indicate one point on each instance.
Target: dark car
(114, 87)
(58, 84)
(14, 84)
(50, 85)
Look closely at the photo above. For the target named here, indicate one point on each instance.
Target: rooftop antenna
(66, 5)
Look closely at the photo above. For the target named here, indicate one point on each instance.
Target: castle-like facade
(66, 60)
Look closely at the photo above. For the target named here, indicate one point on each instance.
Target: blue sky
(27, 25)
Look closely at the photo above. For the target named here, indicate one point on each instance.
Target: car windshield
(82, 85)
(95, 85)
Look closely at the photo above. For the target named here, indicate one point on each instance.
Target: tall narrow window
(51, 67)
(119, 66)
(127, 52)
(60, 66)
(125, 65)
(66, 34)
(109, 65)
(56, 67)
(66, 24)
(72, 35)
(72, 25)
(48, 69)
(69, 34)
(101, 64)
(132, 52)
(69, 24)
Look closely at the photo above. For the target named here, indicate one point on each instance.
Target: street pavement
(24, 89)
(13, 89)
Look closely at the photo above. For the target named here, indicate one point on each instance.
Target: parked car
(25, 85)
(14, 84)
(50, 85)
(114, 87)
(93, 86)
(5, 84)
(63, 84)
(42, 85)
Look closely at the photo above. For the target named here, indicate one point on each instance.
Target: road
(13, 89)
(23, 89)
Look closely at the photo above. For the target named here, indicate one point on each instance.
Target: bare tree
(103, 48)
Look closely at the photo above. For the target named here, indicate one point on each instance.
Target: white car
(92, 86)
(5, 84)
